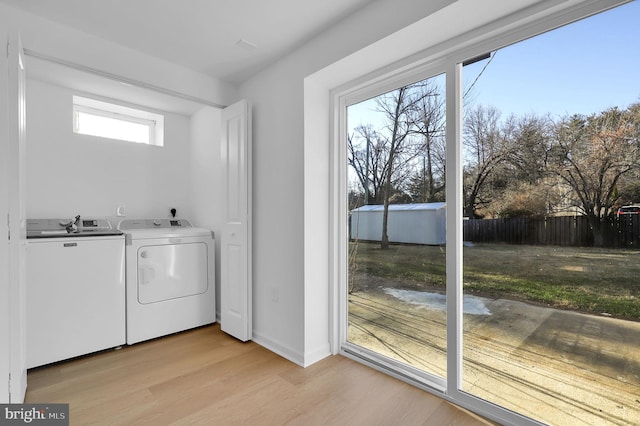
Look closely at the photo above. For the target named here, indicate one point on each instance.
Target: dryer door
(171, 271)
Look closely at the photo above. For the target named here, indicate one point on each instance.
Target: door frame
(5, 291)
(450, 56)
(12, 192)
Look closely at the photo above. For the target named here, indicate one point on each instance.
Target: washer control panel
(51, 228)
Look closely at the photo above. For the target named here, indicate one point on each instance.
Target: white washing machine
(75, 289)
(170, 277)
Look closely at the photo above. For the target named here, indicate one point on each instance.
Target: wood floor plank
(204, 377)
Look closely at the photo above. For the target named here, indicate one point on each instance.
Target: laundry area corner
(121, 234)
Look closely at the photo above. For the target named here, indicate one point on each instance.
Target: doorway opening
(539, 267)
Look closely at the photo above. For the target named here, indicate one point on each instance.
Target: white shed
(423, 223)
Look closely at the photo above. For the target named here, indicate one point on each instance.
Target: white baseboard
(282, 350)
(301, 359)
(311, 357)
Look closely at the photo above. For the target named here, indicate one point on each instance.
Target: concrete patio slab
(559, 367)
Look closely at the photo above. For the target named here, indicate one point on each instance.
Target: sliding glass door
(551, 155)
(493, 228)
(397, 225)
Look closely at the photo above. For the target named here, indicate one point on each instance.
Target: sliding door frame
(446, 58)
(405, 372)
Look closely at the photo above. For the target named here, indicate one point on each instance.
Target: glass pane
(551, 152)
(108, 127)
(396, 155)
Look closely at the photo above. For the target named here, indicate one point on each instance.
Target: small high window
(107, 120)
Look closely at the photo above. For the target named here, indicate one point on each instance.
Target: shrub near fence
(562, 230)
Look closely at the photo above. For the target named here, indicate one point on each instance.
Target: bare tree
(526, 189)
(411, 126)
(398, 108)
(487, 148)
(429, 124)
(591, 156)
(368, 154)
(531, 137)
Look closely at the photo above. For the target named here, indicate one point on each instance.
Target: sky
(585, 67)
(582, 68)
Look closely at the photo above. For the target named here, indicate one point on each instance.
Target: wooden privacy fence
(563, 231)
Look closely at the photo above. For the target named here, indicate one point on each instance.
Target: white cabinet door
(235, 241)
(76, 297)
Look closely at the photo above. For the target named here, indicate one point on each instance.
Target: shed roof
(402, 207)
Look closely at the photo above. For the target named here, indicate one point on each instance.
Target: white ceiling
(202, 35)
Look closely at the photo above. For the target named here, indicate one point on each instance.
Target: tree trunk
(384, 243)
(598, 229)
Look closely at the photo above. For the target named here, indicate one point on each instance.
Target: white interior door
(235, 241)
(13, 255)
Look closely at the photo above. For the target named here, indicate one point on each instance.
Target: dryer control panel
(126, 224)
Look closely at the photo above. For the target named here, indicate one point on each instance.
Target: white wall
(46, 37)
(277, 218)
(205, 191)
(147, 179)
(296, 322)
(69, 174)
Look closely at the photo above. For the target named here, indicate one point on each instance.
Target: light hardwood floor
(204, 377)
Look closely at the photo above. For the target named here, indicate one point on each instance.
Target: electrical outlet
(121, 210)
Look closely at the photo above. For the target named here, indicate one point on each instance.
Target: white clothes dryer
(170, 277)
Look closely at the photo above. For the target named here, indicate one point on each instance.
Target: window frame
(154, 121)
(405, 372)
